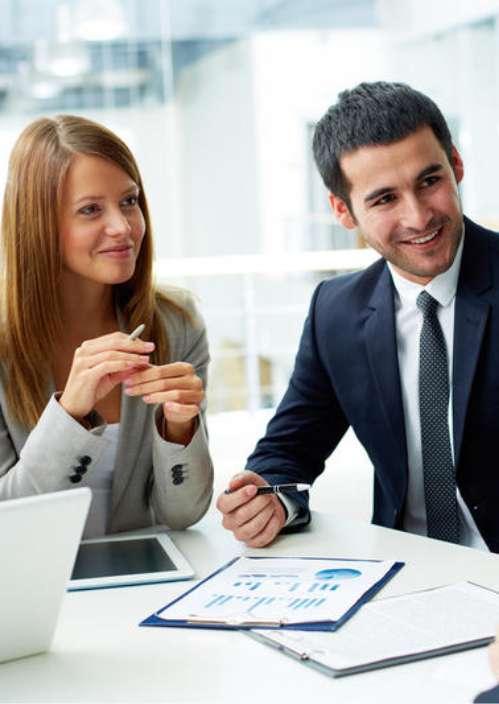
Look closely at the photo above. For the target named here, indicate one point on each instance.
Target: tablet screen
(121, 557)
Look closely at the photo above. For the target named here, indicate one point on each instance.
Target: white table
(100, 655)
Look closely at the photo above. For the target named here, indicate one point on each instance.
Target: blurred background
(218, 100)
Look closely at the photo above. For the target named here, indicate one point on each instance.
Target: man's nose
(416, 214)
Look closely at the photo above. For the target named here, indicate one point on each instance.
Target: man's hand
(494, 655)
(254, 520)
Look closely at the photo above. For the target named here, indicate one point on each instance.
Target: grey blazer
(154, 481)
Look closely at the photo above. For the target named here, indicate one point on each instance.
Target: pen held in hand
(138, 331)
(278, 489)
(282, 488)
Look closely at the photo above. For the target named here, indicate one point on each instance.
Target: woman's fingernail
(149, 345)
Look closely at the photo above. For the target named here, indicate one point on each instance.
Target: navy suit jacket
(346, 374)
(490, 696)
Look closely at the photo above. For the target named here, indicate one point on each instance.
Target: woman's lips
(121, 252)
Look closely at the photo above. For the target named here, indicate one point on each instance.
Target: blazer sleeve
(183, 476)
(308, 423)
(490, 695)
(48, 457)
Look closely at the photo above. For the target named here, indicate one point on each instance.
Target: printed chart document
(399, 629)
(294, 592)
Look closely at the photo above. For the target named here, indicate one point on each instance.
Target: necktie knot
(426, 303)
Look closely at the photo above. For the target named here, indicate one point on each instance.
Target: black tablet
(121, 560)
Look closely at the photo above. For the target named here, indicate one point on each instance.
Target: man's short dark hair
(372, 113)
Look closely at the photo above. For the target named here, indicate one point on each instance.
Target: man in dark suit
(407, 351)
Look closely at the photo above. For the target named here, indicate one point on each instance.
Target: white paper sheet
(401, 626)
(288, 590)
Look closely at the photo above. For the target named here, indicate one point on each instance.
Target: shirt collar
(442, 287)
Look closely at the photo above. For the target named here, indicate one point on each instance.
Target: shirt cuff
(291, 507)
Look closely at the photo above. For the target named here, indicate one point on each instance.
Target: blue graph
(253, 603)
(338, 573)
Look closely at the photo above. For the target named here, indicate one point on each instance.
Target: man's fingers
(227, 503)
(250, 530)
(248, 511)
(267, 535)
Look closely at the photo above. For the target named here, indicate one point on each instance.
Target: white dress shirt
(408, 323)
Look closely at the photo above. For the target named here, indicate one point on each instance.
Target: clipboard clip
(300, 654)
(237, 622)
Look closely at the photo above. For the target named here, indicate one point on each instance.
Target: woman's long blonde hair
(32, 260)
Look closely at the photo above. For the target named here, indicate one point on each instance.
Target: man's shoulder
(476, 235)
(353, 288)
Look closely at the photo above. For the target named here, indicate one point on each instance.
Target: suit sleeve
(47, 460)
(490, 695)
(183, 476)
(308, 423)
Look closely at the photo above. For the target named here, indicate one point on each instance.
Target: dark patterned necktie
(438, 467)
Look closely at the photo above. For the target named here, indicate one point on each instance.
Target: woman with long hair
(81, 401)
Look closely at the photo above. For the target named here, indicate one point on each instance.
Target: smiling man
(405, 352)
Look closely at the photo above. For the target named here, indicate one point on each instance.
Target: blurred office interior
(218, 100)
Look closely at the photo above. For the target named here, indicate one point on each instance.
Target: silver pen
(138, 331)
(282, 488)
(278, 489)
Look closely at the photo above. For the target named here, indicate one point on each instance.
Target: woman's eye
(130, 201)
(88, 209)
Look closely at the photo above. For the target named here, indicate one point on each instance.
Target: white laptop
(39, 538)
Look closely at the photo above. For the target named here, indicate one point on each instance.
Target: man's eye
(430, 181)
(388, 198)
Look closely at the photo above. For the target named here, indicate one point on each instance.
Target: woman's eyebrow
(87, 197)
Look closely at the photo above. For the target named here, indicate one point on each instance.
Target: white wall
(419, 17)
(298, 75)
(215, 128)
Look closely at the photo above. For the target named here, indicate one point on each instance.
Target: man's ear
(457, 164)
(342, 212)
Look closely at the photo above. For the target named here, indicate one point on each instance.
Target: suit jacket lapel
(470, 317)
(381, 343)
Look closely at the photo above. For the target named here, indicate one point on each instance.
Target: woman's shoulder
(177, 309)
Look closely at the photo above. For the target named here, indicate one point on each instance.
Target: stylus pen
(278, 489)
(138, 331)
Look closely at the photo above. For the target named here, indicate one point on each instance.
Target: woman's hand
(178, 388)
(98, 366)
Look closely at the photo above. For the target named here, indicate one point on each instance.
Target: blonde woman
(80, 402)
